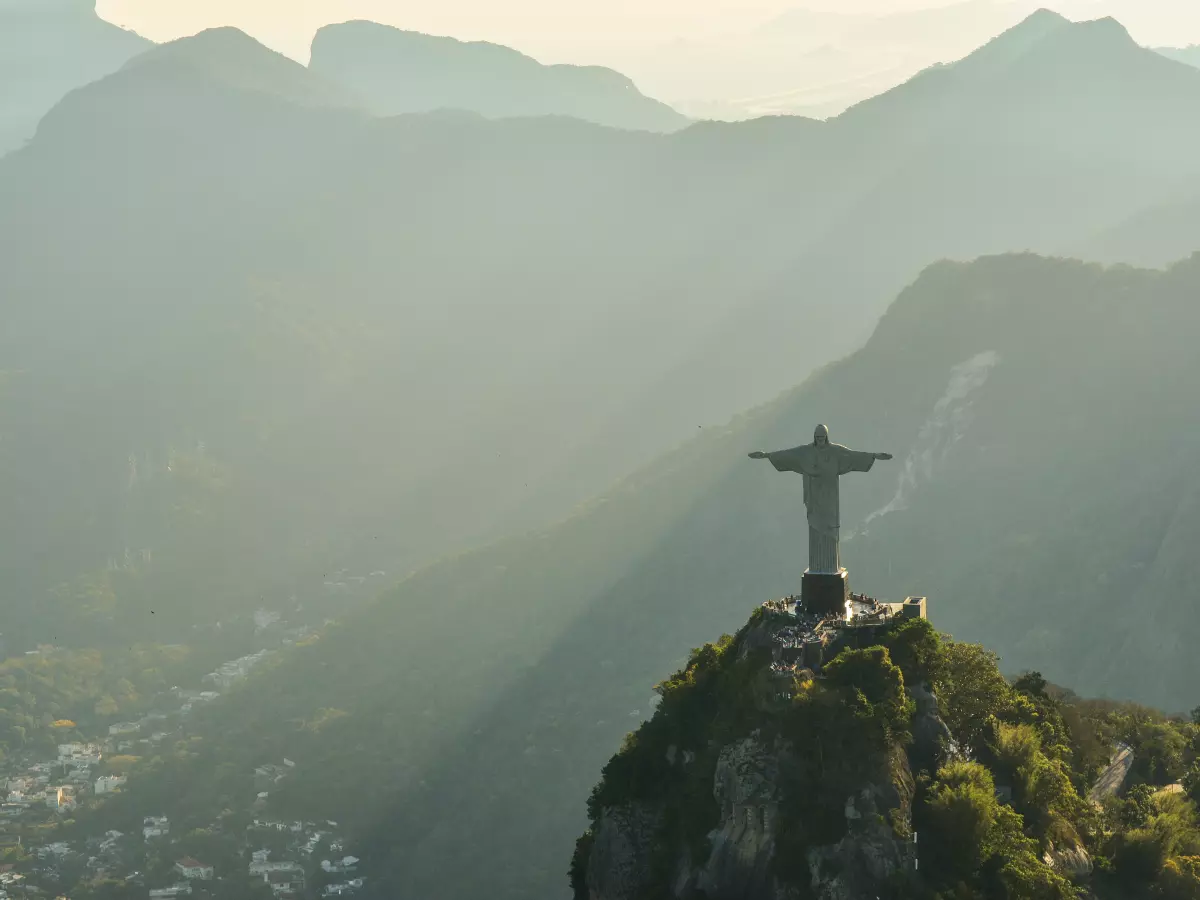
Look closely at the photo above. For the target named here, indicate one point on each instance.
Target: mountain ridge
(405, 72)
(229, 54)
(48, 49)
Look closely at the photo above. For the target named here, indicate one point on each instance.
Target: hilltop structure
(804, 641)
(826, 588)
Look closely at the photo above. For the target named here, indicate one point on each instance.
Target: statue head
(821, 436)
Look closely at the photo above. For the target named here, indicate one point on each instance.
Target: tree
(1158, 753)
(972, 692)
(916, 647)
(962, 808)
(973, 838)
(877, 683)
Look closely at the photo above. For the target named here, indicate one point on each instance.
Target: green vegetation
(1003, 813)
(55, 695)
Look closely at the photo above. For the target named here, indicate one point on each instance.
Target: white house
(106, 784)
(123, 728)
(76, 755)
(110, 840)
(285, 882)
(193, 870)
(167, 892)
(59, 799)
(155, 826)
(261, 868)
(347, 887)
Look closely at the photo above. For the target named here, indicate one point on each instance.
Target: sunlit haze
(711, 57)
(557, 28)
(599, 449)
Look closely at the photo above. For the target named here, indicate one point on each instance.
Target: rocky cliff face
(741, 862)
(784, 822)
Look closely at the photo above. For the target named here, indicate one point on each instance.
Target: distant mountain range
(816, 62)
(50, 47)
(254, 332)
(398, 72)
(1189, 55)
(1043, 496)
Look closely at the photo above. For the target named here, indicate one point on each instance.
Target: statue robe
(822, 468)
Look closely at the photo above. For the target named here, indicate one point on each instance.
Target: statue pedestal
(825, 594)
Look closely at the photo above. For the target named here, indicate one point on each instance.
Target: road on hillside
(1113, 777)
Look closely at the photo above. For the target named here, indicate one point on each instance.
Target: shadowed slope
(504, 678)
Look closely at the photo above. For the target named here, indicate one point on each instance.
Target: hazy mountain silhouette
(1153, 236)
(1189, 54)
(1023, 129)
(50, 47)
(204, 250)
(819, 62)
(404, 72)
(231, 57)
(1043, 495)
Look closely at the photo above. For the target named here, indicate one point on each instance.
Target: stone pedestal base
(825, 594)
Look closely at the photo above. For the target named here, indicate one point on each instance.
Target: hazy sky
(572, 25)
(688, 52)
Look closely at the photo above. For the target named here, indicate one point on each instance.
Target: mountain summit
(230, 56)
(405, 71)
(1044, 55)
(48, 49)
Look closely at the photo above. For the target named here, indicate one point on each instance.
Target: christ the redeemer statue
(822, 464)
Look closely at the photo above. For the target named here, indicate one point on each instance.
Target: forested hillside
(909, 767)
(1042, 495)
(255, 336)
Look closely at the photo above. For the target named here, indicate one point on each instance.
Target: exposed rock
(739, 865)
(745, 788)
(785, 822)
(1113, 778)
(931, 735)
(871, 852)
(619, 865)
(1073, 862)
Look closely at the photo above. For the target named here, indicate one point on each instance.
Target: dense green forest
(992, 808)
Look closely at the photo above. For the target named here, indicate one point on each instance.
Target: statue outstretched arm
(797, 459)
(857, 460)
